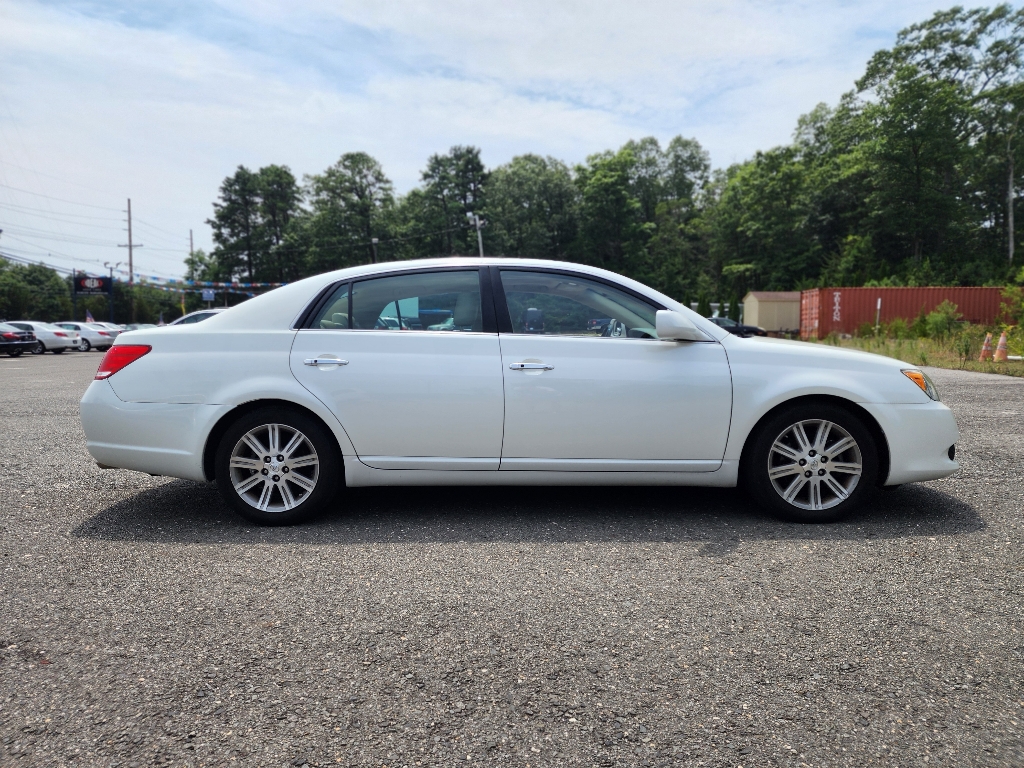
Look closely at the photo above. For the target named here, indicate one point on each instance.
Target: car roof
(280, 307)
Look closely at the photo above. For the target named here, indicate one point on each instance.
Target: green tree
(453, 184)
(33, 292)
(612, 232)
(236, 225)
(350, 203)
(531, 208)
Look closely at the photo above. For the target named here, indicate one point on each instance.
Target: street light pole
(373, 242)
(479, 237)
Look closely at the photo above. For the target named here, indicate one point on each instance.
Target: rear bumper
(17, 346)
(58, 342)
(919, 437)
(158, 438)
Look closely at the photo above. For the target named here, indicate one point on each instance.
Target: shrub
(943, 320)
(963, 344)
(866, 330)
(898, 329)
(919, 328)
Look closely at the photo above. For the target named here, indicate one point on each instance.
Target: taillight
(11, 336)
(102, 333)
(62, 335)
(118, 356)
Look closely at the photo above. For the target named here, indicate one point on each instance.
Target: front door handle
(324, 361)
(531, 367)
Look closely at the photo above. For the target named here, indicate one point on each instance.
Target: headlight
(921, 379)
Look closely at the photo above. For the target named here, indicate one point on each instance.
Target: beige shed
(775, 311)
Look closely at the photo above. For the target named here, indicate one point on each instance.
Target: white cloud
(104, 104)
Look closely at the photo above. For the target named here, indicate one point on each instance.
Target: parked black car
(738, 328)
(14, 341)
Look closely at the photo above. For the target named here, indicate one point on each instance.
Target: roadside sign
(91, 286)
(208, 294)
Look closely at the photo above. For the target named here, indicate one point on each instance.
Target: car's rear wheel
(84, 345)
(15, 352)
(812, 463)
(276, 466)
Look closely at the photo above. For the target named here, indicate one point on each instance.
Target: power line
(45, 235)
(61, 179)
(158, 229)
(60, 199)
(26, 208)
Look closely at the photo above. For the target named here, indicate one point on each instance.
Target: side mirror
(673, 326)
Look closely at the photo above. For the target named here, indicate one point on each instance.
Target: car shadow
(718, 519)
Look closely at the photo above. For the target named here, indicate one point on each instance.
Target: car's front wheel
(39, 348)
(811, 463)
(275, 466)
(84, 345)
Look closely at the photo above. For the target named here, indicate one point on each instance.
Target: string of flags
(158, 280)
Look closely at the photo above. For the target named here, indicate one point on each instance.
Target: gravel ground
(144, 624)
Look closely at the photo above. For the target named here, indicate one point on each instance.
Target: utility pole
(191, 246)
(112, 267)
(1010, 191)
(131, 263)
(373, 242)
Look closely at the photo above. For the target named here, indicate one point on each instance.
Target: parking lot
(144, 624)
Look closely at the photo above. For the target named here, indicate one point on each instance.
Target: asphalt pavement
(142, 623)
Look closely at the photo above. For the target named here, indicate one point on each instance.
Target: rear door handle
(530, 367)
(324, 361)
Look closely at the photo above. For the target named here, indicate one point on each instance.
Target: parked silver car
(49, 337)
(91, 334)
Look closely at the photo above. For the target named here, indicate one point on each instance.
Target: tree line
(910, 179)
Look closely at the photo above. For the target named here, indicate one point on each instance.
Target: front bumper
(919, 437)
(158, 438)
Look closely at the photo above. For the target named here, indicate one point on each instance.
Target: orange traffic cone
(986, 349)
(1001, 351)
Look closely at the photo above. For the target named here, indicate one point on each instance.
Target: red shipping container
(844, 310)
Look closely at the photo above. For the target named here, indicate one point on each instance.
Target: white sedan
(91, 335)
(285, 398)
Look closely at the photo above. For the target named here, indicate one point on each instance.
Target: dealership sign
(91, 285)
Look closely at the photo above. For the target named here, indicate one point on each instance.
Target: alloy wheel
(815, 464)
(274, 467)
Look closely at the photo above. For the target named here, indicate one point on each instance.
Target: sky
(159, 101)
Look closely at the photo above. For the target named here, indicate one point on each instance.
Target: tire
(59, 351)
(39, 348)
(286, 499)
(788, 472)
(84, 345)
(15, 352)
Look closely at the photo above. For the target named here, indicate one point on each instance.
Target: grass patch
(939, 353)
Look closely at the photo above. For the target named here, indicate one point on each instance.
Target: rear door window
(422, 301)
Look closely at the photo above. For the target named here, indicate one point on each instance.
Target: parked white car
(115, 330)
(91, 335)
(198, 316)
(301, 390)
(50, 337)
